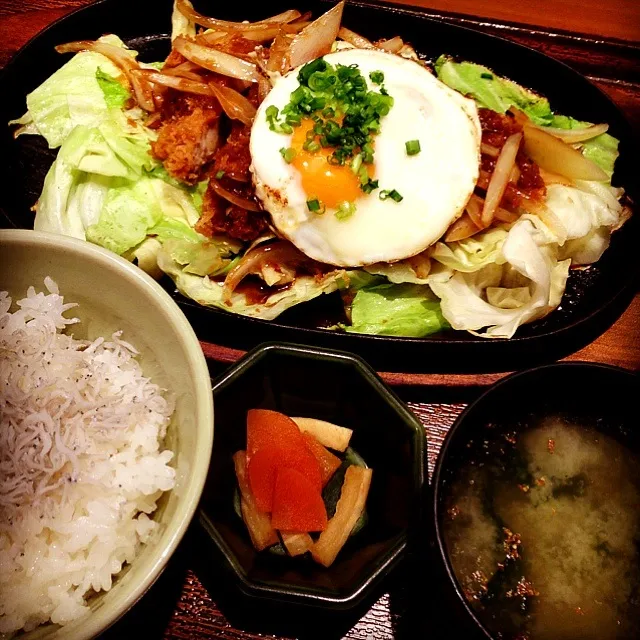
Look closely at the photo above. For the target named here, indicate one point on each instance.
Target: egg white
(435, 184)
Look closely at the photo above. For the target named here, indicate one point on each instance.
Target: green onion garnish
(369, 185)
(311, 145)
(487, 76)
(356, 164)
(390, 193)
(345, 210)
(346, 115)
(315, 206)
(219, 175)
(288, 154)
(412, 147)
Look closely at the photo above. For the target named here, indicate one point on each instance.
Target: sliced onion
(305, 17)
(264, 87)
(520, 116)
(556, 156)
(186, 9)
(178, 83)
(571, 136)
(153, 121)
(211, 37)
(421, 263)
(354, 38)
(502, 215)
(462, 228)
(234, 104)
(218, 61)
(474, 210)
(489, 150)
(243, 203)
(269, 33)
(121, 58)
(316, 39)
(265, 236)
(185, 70)
(500, 177)
(393, 45)
(514, 176)
(407, 51)
(252, 262)
(279, 58)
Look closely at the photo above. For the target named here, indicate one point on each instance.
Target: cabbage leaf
(396, 310)
(492, 91)
(464, 299)
(72, 96)
(209, 293)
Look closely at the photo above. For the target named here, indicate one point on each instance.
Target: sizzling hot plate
(594, 299)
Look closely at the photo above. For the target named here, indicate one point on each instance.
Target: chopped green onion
(219, 175)
(345, 210)
(369, 185)
(311, 145)
(288, 154)
(310, 68)
(346, 115)
(390, 193)
(356, 164)
(487, 76)
(316, 206)
(412, 147)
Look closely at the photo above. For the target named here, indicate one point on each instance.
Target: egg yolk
(331, 184)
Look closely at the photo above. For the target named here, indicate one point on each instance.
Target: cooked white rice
(81, 461)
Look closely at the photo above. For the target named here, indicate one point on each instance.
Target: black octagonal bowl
(339, 388)
(488, 447)
(594, 298)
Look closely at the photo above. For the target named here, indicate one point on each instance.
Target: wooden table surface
(601, 40)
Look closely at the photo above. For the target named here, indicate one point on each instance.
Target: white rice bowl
(118, 507)
(81, 461)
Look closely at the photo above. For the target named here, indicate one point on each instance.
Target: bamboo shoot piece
(296, 543)
(353, 497)
(258, 523)
(326, 433)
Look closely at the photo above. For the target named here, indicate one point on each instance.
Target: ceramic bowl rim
(97, 257)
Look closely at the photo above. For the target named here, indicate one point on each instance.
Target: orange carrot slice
(297, 503)
(327, 461)
(270, 428)
(268, 460)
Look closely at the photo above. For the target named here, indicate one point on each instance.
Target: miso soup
(542, 527)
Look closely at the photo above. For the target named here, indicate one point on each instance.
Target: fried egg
(435, 184)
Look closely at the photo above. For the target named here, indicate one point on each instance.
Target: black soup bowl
(536, 500)
(336, 387)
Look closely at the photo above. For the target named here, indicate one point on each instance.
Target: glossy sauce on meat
(220, 216)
